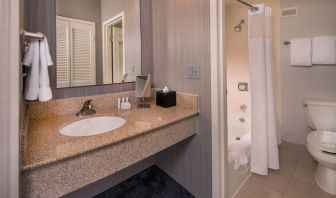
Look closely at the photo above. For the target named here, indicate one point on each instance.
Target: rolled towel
(301, 52)
(31, 59)
(45, 92)
(324, 50)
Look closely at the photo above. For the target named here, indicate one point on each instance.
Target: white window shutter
(83, 61)
(63, 53)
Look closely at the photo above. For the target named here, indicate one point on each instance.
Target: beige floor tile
(295, 179)
(276, 180)
(293, 146)
(253, 189)
(299, 188)
(288, 155)
(305, 167)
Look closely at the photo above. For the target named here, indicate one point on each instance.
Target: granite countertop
(42, 143)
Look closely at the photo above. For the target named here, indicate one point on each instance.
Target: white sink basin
(92, 126)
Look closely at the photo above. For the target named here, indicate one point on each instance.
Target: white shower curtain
(264, 153)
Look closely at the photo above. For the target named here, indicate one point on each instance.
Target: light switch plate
(194, 72)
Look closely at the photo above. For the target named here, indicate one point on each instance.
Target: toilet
(321, 143)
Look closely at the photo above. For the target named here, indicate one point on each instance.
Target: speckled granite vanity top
(42, 143)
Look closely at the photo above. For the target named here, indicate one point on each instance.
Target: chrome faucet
(87, 109)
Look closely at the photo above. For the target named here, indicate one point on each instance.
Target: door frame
(10, 97)
(218, 100)
(114, 20)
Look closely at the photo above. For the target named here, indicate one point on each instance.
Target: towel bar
(24, 43)
(30, 35)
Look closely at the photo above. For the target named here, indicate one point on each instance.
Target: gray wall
(181, 37)
(316, 18)
(87, 10)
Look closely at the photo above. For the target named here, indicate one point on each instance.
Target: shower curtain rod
(253, 8)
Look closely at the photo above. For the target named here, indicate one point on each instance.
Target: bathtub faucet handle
(243, 107)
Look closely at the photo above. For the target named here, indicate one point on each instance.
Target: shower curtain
(264, 153)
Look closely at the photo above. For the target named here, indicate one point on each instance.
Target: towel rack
(30, 35)
(25, 35)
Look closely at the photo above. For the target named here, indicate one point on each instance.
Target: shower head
(238, 27)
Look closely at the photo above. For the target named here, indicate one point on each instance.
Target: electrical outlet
(194, 72)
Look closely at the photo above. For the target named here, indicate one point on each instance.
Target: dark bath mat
(150, 183)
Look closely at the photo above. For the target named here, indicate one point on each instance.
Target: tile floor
(149, 183)
(295, 179)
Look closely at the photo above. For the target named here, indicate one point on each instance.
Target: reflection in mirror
(97, 42)
(113, 37)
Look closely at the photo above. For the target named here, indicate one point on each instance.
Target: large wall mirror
(97, 42)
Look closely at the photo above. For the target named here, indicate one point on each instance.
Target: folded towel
(240, 151)
(45, 92)
(301, 52)
(32, 59)
(324, 50)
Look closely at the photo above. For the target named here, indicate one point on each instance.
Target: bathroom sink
(92, 126)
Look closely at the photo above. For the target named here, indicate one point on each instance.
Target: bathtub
(239, 126)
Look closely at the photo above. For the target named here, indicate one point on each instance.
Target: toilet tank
(321, 114)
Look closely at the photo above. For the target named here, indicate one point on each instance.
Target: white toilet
(321, 143)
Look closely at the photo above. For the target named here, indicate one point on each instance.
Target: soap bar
(166, 99)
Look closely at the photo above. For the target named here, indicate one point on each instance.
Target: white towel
(301, 52)
(324, 50)
(240, 150)
(45, 92)
(38, 58)
(32, 59)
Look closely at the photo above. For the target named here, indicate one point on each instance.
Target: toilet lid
(323, 140)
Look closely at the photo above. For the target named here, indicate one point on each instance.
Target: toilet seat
(323, 141)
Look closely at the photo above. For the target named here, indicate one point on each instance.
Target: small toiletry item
(125, 104)
(166, 98)
(119, 103)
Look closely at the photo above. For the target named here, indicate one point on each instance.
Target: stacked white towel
(38, 58)
(240, 150)
(301, 52)
(324, 50)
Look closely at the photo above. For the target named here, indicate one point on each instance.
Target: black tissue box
(166, 99)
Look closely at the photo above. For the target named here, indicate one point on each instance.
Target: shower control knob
(243, 107)
(242, 120)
